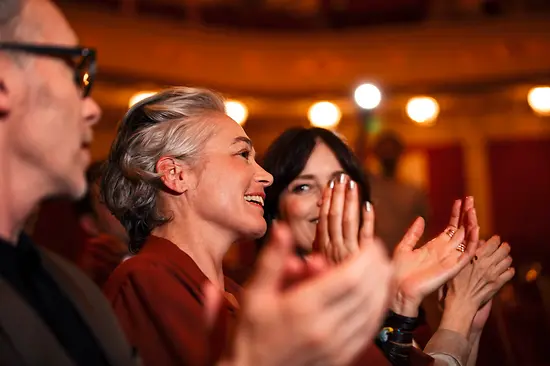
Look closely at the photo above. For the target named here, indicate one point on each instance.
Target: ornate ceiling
(311, 14)
(480, 66)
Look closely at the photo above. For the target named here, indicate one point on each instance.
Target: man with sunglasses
(50, 312)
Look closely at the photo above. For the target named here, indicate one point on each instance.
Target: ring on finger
(461, 247)
(451, 232)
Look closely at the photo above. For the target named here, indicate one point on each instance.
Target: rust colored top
(158, 298)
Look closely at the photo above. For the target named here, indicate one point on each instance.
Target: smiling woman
(182, 179)
(321, 194)
(312, 157)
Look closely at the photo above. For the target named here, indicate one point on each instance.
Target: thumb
(212, 304)
(412, 236)
(270, 270)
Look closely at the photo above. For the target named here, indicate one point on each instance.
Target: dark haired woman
(321, 192)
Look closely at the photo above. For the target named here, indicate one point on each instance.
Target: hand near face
(473, 288)
(338, 235)
(422, 271)
(325, 319)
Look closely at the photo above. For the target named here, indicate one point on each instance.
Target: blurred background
(464, 84)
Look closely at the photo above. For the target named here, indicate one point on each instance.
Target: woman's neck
(204, 243)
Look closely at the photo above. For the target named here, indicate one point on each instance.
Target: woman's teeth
(255, 199)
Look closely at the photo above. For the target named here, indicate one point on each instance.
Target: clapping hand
(421, 271)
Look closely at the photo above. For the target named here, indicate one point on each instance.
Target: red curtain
(446, 177)
(520, 182)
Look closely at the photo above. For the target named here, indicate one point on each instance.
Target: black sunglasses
(82, 60)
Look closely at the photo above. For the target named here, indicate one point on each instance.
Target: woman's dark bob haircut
(288, 155)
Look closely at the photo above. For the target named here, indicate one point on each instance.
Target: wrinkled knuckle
(504, 247)
(490, 276)
(508, 261)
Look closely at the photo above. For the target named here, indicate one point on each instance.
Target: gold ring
(461, 247)
(451, 232)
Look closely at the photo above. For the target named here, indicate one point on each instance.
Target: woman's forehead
(322, 161)
(227, 131)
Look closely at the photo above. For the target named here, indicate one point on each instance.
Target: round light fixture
(324, 114)
(539, 100)
(237, 111)
(367, 96)
(423, 110)
(138, 97)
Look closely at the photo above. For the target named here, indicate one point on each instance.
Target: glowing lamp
(324, 114)
(539, 100)
(423, 110)
(237, 111)
(367, 96)
(138, 97)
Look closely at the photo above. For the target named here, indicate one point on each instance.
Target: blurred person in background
(106, 242)
(397, 203)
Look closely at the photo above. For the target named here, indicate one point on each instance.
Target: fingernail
(368, 206)
(331, 184)
(351, 184)
(342, 178)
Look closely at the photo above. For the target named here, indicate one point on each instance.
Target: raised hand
(421, 271)
(340, 232)
(326, 319)
(469, 293)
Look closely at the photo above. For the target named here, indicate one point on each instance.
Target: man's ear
(173, 174)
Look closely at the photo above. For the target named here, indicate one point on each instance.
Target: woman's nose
(320, 193)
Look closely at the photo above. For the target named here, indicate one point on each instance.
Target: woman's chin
(254, 230)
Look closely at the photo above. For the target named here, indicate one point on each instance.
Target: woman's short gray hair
(169, 123)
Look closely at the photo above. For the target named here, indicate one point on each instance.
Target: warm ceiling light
(138, 97)
(237, 111)
(423, 110)
(367, 96)
(324, 115)
(539, 100)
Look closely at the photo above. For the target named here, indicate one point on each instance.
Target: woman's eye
(301, 188)
(245, 154)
